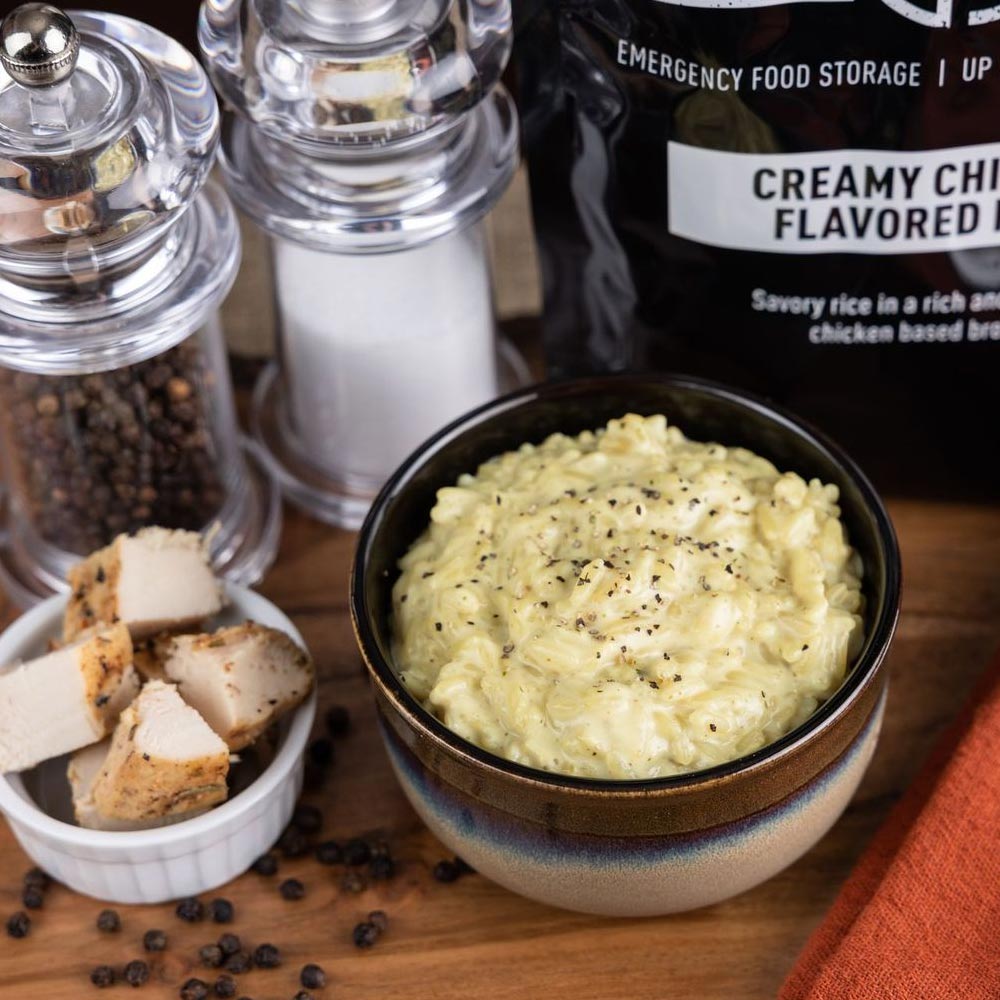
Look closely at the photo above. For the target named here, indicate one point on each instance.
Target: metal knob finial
(38, 45)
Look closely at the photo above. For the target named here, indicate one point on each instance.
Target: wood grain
(450, 942)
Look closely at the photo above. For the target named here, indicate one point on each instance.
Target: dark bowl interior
(704, 411)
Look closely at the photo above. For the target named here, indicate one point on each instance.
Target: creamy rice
(628, 603)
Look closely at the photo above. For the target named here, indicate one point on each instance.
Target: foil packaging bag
(799, 198)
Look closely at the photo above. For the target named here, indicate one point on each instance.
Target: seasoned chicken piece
(241, 679)
(66, 699)
(153, 581)
(150, 655)
(83, 768)
(164, 760)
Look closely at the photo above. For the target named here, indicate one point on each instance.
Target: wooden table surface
(474, 939)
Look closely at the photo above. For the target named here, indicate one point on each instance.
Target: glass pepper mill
(368, 139)
(116, 408)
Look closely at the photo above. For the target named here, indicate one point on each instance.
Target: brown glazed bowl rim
(862, 672)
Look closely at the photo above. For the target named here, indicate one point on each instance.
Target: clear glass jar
(116, 407)
(369, 141)
(89, 456)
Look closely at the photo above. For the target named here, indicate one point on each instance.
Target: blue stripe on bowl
(498, 832)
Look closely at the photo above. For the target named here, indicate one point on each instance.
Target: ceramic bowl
(187, 858)
(628, 847)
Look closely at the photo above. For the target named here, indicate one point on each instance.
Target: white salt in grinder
(368, 139)
(116, 409)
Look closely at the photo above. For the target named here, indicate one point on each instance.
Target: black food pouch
(800, 198)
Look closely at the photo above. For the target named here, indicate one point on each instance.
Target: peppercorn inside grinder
(116, 407)
(368, 139)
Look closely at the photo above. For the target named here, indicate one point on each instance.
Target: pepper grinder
(116, 408)
(368, 139)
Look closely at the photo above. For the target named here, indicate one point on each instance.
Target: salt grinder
(368, 139)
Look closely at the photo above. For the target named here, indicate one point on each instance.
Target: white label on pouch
(844, 201)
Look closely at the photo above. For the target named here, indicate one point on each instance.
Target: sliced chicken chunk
(65, 700)
(241, 679)
(84, 767)
(152, 581)
(164, 761)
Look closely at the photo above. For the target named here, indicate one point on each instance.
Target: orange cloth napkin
(919, 917)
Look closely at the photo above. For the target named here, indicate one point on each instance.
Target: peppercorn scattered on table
(358, 900)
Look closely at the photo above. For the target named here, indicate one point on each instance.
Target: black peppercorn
(190, 910)
(225, 986)
(292, 889)
(32, 897)
(357, 852)
(136, 973)
(266, 956)
(211, 956)
(18, 924)
(154, 941)
(37, 879)
(307, 819)
(194, 989)
(230, 944)
(221, 910)
(464, 868)
(109, 922)
(266, 864)
(365, 934)
(338, 720)
(329, 853)
(102, 976)
(239, 962)
(379, 918)
(446, 871)
(312, 977)
(293, 843)
(321, 752)
(353, 881)
(382, 867)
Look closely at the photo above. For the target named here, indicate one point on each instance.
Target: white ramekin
(152, 866)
